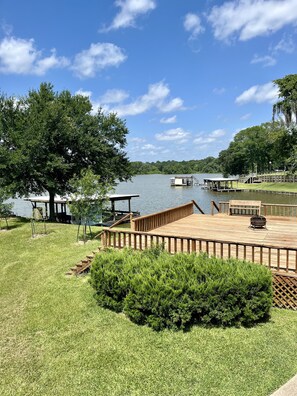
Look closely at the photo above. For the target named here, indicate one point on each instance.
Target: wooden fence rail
(267, 209)
(155, 220)
(275, 258)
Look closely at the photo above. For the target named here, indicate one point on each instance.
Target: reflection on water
(157, 194)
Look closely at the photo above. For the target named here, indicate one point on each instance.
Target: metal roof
(65, 199)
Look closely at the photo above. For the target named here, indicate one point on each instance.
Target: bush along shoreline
(162, 291)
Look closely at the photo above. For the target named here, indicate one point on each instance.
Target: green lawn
(285, 187)
(55, 340)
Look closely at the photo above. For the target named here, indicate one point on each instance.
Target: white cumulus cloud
(211, 137)
(130, 10)
(192, 24)
(20, 56)
(114, 96)
(173, 134)
(217, 133)
(259, 94)
(246, 19)
(99, 56)
(156, 97)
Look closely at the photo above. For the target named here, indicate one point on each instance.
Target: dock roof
(221, 179)
(65, 199)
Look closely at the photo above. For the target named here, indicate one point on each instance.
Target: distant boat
(183, 181)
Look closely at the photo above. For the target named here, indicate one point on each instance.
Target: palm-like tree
(288, 105)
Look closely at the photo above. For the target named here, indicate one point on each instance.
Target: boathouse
(183, 181)
(222, 184)
(62, 215)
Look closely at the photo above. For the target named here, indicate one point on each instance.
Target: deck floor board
(279, 231)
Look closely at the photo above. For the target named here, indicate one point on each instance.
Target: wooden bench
(244, 207)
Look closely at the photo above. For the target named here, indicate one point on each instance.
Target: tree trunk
(52, 216)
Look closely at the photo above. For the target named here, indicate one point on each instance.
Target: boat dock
(62, 215)
(183, 181)
(222, 184)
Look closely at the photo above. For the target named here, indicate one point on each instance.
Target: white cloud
(173, 134)
(137, 140)
(266, 60)
(247, 19)
(259, 94)
(129, 11)
(81, 92)
(114, 96)
(172, 105)
(99, 56)
(156, 97)
(149, 146)
(206, 139)
(20, 56)
(217, 133)
(286, 45)
(169, 120)
(7, 28)
(192, 24)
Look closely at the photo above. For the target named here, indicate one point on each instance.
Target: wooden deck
(279, 231)
(222, 236)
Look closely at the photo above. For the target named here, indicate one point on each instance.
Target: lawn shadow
(13, 223)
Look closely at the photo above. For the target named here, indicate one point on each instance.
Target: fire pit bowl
(258, 221)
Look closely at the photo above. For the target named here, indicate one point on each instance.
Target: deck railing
(155, 220)
(267, 209)
(279, 210)
(276, 258)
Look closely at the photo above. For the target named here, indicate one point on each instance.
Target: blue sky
(185, 75)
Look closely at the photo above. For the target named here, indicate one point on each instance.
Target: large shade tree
(252, 150)
(46, 138)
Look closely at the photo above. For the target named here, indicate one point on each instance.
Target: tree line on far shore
(206, 165)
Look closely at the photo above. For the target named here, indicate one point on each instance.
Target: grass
(278, 187)
(56, 340)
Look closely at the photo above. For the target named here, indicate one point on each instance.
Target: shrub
(164, 291)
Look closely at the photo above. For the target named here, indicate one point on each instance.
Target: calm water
(156, 194)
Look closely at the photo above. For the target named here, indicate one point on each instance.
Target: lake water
(156, 194)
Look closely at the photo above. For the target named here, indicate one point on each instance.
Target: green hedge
(164, 291)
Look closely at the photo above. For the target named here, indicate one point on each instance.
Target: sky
(186, 76)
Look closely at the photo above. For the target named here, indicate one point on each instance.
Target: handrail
(155, 220)
(268, 209)
(276, 209)
(277, 258)
(214, 205)
(163, 211)
(121, 220)
(197, 206)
